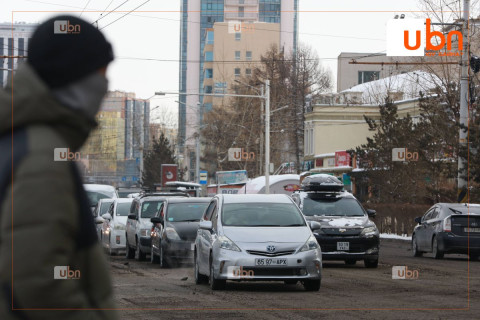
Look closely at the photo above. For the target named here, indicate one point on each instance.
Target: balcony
(241, 16)
(241, 3)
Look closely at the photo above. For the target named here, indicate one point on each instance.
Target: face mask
(85, 95)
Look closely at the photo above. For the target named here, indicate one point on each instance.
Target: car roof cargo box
(322, 182)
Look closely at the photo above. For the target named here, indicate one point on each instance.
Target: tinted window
(149, 208)
(261, 214)
(208, 213)
(94, 196)
(104, 208)
(332, 207)
(123, 209)
(185, 211)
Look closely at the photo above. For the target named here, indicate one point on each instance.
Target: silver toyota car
(256, 238)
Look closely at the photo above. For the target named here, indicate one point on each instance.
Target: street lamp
(197, 145)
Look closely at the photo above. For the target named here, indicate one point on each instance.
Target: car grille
(276, 271)
(346, 231)
(273, 254)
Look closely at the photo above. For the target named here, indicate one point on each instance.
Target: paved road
(347, 292)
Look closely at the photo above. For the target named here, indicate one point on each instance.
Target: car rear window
(332, 207)
(150, 208)
(261, 215)
(177, 212)
(123, 209)
(95, 196)
(104, 207)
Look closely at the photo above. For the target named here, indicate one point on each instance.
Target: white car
(113, 229)
(95, 192)
(100, 209)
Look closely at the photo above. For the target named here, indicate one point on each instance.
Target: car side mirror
(99, 220)
(132, 216)
(205, 225)
(418, 220)
(314, 225)
(107, 216)
(156, 220)
(371, 213)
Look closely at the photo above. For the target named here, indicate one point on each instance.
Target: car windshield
(332, 207)
(95, 196)
(104, 207)
(185, 211)
(123, 209)
(261, 215)
(150, 208)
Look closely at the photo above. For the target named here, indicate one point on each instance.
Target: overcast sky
(330, 27)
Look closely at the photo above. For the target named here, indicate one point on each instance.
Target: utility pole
(462, 183)
(267, 136)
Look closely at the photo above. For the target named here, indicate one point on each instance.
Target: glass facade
(269, 11)
(183, 77)
(209, 56)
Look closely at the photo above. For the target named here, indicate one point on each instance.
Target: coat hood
(28, 101)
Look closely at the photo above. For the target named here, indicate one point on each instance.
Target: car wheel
(350, 262)
(370, 263)
(473, 256)
(415, 251)
(290, 281)
(139, 255)
(312, 285)
(129, 253)
(199, 278)
(163, 260)
(215, 284)
(154, 259)
(437, 253)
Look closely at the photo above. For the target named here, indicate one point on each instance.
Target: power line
(96, 21)
(83, 10)
(125, 15)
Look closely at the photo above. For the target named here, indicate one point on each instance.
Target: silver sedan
(256, 238)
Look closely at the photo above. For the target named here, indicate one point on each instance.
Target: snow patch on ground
(395, 236)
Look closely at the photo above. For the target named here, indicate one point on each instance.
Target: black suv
(346, 232)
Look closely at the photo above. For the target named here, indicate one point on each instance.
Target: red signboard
(342, 159)
(319, 163)
(169, 173)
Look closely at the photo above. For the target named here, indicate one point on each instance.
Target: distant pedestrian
(51, 265)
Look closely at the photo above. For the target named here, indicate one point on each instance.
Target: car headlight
(146, 232)
(227, 244)
(369, 230)
(119, 227)
(311, 244)
(171, 233)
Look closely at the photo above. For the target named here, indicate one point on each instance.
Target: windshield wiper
(455, 211)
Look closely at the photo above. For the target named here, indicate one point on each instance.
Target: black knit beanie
(65, 49)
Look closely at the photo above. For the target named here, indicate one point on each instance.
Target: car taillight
(152, 232)
(447, 225)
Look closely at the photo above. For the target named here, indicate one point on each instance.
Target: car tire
(415, 251)
(350, 262)
(162, 258)
(215, 284)
(129, 252)
(199, 278)
(154, 259)
(312, 285)
(139, 255)
(290, 282)
(371, 263)
(437, 253)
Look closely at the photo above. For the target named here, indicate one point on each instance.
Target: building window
(238, 36)
(241, 12)
(237, 55)
(209, 37)
(209, 6)
(367, 76)
(208, 73)
(209, 56)
(312, 142)
(208, 89)
(237, 72)
(248, 55)
(248, 72)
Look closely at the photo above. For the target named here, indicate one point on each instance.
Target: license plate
(270, 262)
(471, 229)
(343, 246)
(192, 247)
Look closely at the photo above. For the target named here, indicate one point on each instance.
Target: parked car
(100, 209)
(256, 237)
(113, 229)
(448, 228)
(95, 192)
(139, 227)
(175, 229)
(346, 231)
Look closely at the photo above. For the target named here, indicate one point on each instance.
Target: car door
(431, 226)
(131, 224)
(159, 227)
(107, 224)
(421, 232)
(203, 238)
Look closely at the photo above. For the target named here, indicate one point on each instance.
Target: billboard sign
(169, 173)
(342, 159)
(231, 177)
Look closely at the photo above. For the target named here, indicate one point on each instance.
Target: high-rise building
(197, 31)
(14, 39)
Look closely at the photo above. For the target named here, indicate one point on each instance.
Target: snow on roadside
(394, 236)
